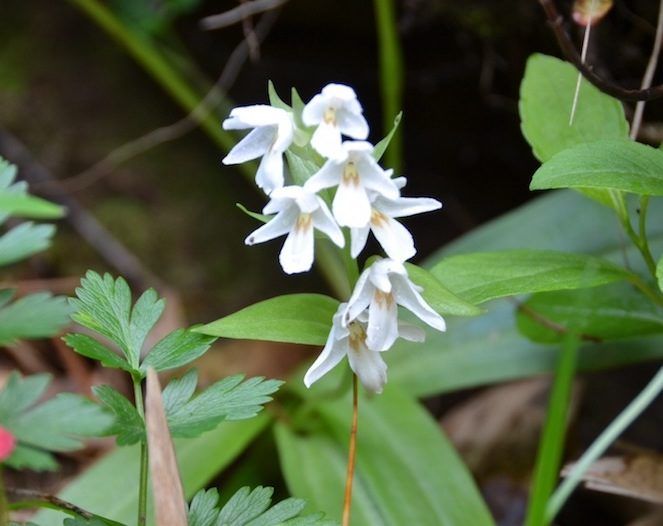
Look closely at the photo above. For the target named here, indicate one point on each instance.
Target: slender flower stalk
(352, 453)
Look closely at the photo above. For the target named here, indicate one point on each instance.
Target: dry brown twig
(240, 13)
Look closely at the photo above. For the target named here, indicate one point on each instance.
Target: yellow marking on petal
(357, 336)
(330, 116)
(350, 174)
(378, 219)
(384, 299)
(304, 222)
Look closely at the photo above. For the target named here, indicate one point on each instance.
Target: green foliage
(129, 427)
(610, 164)
(546, 97)
(437, 295)
(104, 306)
(483, 276)
(294, 318)
(200, 459)
(15, 200)
(659, 273)
(23, 241)
(250, 508)
(606, 313)
(151, 18)
(227, 399)
(398, 441)
(381, 147)
(38, 315)
(53, 426)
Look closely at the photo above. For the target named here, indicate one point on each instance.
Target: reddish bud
(7, 444)
(586, 11)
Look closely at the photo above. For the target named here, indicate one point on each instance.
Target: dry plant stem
(556, 22)
(583, 58)
(352, 453)
(239, 13)
(649, 73)
(27, 498)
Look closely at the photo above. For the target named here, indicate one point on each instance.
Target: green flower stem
(639, 239)
(551, 445)
(142, 483)
(601, 444)
(4, 505)
(391, 76)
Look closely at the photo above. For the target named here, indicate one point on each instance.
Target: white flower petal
(326, 140)
(255, 144)
(329, 358)
(369, 368)
(382, 329)
(279, 225)
(269, 176)
(411, 333)
(400, 182)
(359, 236)
(409, 298)
(352, 124)
(254, 116)
(408, 206)
(379, 275)
(394, 238)
(297, 252)
(351, 205)
(360, 299)
(374, 178)
(323, 221)
(329, 175)
(314, 111)
(339, 91)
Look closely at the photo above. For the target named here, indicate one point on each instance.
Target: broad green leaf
(179, 348)
(437, 295)
(203, 510)
(227, 399)
(606, 313)
(294, 318)
(488, 348)
(129, 427)
(38, 315)
(20, 392)
(26, 457)
(610, 164)
(484, 276)
(200, 459)
(87, 346)
(659, 273)
(24, 240)
(381, 147)
(390, 451)
(546, 97)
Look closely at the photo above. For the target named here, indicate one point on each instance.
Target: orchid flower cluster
(367, 198)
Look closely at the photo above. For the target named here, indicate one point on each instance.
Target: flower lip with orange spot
(297, 213)
(356, 173)
(272, 134)
(351, 340)
(380, 289)
(335, 111)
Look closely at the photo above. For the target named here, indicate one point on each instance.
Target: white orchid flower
(335, 111)
(381, 288)
(272, 135)
(350, 340)
(356, 173)
(395, 239)
(298, 213)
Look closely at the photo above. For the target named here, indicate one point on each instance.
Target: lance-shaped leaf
(484, 276)
(606, 313)
(294, 318)
(55, 425)
(23, 241)
(437, 295)
(15, 200)
(177, 349)
(227, 399)
(610, 164)
(381, 147)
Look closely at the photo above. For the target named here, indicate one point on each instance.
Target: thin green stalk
(642, 244)
(391, 77)
(142, 482)
(601, 444)
(551, 445)
(4, 505)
